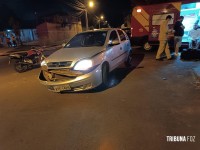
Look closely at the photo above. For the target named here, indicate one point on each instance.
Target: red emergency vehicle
(146, 19)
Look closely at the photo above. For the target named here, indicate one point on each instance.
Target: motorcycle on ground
(28, 60)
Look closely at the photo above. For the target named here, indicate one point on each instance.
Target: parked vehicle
(86, 60)
(146, 19)
(27, 60)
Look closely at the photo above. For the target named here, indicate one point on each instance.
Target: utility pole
(86, 19)
(99, 23)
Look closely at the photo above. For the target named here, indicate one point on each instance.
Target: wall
(50, 33)
(28, 35)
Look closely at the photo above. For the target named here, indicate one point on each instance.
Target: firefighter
(163, 39)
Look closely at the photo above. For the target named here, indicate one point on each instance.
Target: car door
(124, 46)
(114, 50)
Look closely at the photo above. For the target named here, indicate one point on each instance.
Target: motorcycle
(26, 61)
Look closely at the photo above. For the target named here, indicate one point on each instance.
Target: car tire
(105, 75)
(129, 59)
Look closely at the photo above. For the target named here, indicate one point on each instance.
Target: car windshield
(87, 39)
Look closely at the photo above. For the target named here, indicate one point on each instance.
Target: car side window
(121, 35)
(113, 36)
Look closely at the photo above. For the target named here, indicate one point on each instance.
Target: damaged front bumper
(58, 81)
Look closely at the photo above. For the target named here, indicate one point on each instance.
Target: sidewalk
(195, 69)
(5, 51)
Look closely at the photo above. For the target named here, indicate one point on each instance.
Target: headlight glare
(83, 65)
(43, 63)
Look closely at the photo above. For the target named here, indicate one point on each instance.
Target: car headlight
(83, 65)
(43, 63)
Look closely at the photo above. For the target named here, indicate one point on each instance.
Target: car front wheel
(128, 61)
(105, 75)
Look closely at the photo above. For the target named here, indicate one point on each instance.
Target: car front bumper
(79, 83)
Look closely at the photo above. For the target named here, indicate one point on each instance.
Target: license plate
(61, 88)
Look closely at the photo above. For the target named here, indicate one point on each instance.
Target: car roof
(102, 29)
(125, 28)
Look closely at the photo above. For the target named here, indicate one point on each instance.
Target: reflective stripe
(177, 5)
(142, 17)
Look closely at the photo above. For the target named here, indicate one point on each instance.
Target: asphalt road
(143, 106)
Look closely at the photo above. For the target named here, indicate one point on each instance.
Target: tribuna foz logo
(180, 138)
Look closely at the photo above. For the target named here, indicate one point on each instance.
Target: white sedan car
(86, 60)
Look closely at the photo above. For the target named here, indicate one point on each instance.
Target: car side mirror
(113, 42)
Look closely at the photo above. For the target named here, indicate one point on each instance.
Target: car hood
(73, 54)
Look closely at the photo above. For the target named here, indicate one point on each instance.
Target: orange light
(165, 10)
(91, 4)
(139, 10)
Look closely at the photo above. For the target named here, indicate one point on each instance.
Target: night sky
(116, 10)
(27, 10)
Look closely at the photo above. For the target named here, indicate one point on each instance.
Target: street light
(86, 19)
(82, 8)
(101, 18)
(91, 5)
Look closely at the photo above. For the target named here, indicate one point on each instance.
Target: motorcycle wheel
(20, 67)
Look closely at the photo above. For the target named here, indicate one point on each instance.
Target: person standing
(14, 41)
(1, 42)
(178, 34)
(8, 42)
(163, 39)
(194, 36)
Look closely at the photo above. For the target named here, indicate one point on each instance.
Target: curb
(22, 51)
